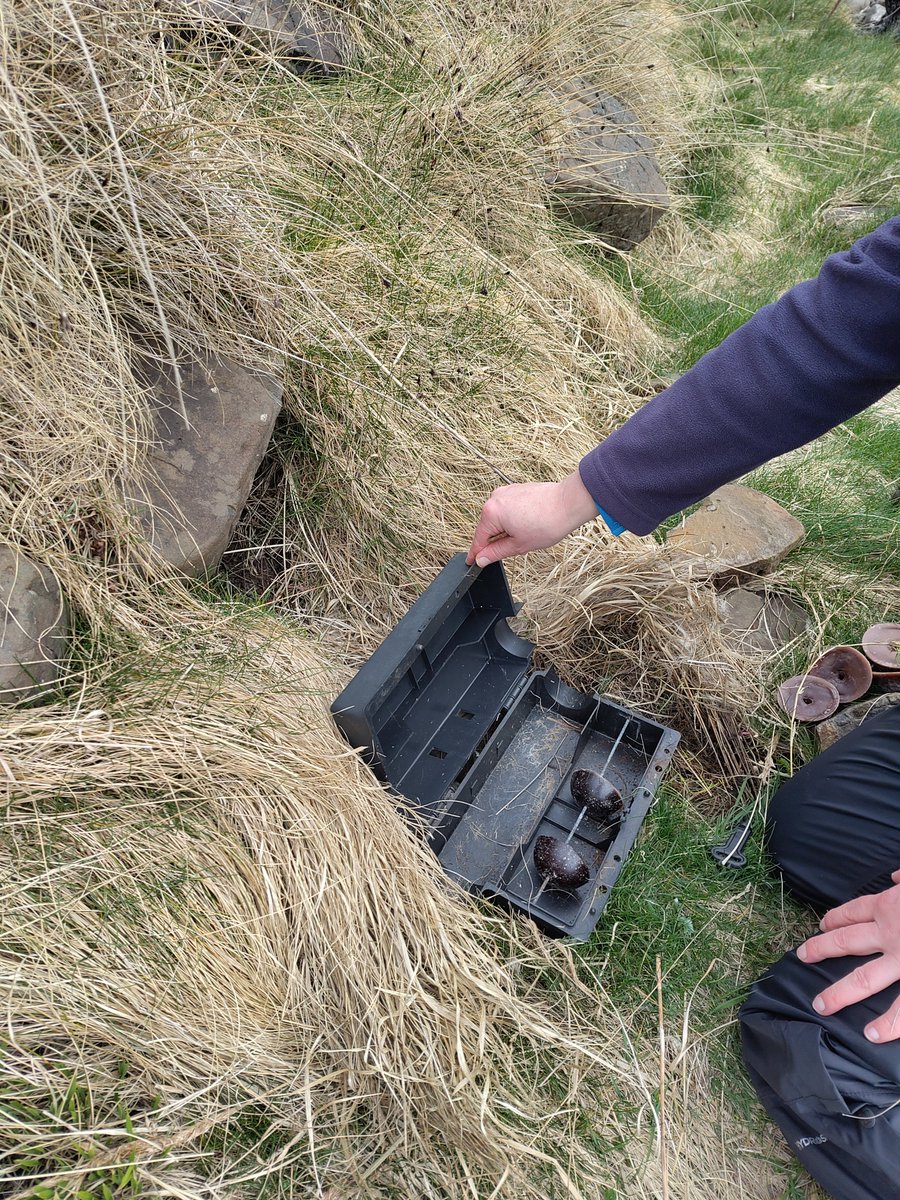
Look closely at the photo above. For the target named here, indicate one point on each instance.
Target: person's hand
(867, 925)
(529, 516)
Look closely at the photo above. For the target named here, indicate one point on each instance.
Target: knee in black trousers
(834, 828)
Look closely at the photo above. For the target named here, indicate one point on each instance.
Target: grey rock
(607, 178)
(307, 36)
(734, 533)
(760, 621)
(852, 717)
(199, 475)
(34, 634)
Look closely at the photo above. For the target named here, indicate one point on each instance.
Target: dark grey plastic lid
(423, 702)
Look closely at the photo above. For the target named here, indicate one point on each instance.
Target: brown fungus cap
(808, 698)
(847, 669)
(882, 644)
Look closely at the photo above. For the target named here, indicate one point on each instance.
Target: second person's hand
(529, 516)
(866, 925)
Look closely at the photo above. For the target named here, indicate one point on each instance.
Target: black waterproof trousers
(834, 831)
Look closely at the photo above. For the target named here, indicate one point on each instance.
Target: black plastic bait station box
(531, 793)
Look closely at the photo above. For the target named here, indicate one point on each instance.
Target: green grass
(821, 100)
(842, 492)
(666, 904)
(56, 1114)
(714, 929)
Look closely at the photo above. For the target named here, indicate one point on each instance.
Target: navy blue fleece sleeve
(827, 349)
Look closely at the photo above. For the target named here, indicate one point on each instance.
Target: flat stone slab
(199, 475)
(843, 216)
(851, 717)
(34, 635)
(607, 178)
(761, 622)
(735, 532)
(308, 36)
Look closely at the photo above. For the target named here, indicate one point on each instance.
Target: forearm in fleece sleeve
(827, 349)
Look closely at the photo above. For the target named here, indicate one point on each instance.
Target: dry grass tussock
(223, 955)
(638, 627)
(197, 947)
(386, 236)
(198, 974)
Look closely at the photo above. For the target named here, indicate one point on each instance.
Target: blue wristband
(613, 525)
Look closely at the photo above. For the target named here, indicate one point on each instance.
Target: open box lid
(425, 701)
